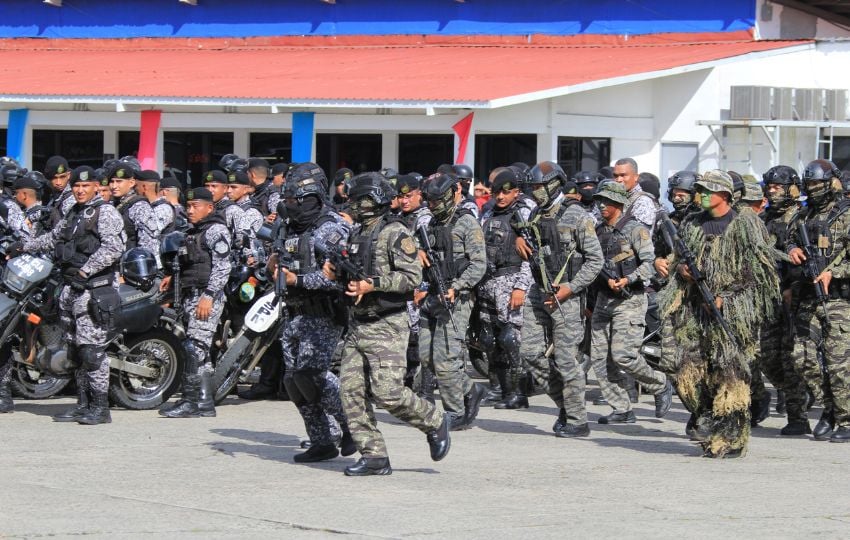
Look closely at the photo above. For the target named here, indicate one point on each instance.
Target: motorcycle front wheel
(160, 354)
(229, 367)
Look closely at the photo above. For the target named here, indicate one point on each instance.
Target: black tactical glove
(78, 282)
(14, 249)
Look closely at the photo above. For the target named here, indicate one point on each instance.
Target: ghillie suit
(712, 371)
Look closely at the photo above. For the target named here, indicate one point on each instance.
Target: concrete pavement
(509, 477)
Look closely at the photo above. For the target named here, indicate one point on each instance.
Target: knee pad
(90, 357)
(509, 338)
(195, 355)
(310, 382)
(486, 338)
(294, 392)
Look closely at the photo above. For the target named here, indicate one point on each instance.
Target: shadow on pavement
(40, 409)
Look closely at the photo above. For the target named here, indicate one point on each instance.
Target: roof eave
(638, 77)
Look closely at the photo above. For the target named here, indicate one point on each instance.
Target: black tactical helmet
(684, 180)
(171, 246)
(586, 177)
(8, 160)
(138, 268)
(737, 184)
(462, 172)
(370, 195)
(306, 179)
(388, 172)
(226, 160)
(11, 172)
(37, 178)
(783, 175)
(820, 170)
(439, 191)
(238, 165)
(551, 176)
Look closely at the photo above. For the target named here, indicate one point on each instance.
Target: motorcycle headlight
(14, 281)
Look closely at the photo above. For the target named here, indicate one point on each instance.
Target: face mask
(541, 195)
(817, 192)
(777, 198)
(681, 201)
(305, 212)
(587, 194)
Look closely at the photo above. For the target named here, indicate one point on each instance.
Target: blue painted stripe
(302, 136)
(16, 133)
(220, 18)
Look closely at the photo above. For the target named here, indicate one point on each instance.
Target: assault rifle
(539, 263)
(339, 257)
(435, 274)
(813, 266)
(671, 235)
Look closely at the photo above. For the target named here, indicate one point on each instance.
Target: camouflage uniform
(60, 205)
(164, 213)
(440, 347)
(420, 217)
(314, 328)
(501, 326)
(35, 220)
(87, 338)
(617, 325)
(233, 218)
(373, 363)
(574, 261)
(252, 218)
(141, 224)
(642, 206)
(829, 232)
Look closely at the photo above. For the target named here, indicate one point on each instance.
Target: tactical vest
(617, 248)
(363, 253)
(123, 208)
(442, 241)
(38, 216)
(500, 243)
(4, 215)
(260, 198)
(78, 239)
(197, 263)
(555, 252)
(299, 258)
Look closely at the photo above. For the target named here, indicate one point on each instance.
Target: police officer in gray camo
(141, 226)
(316, 314)
(86, 245)
(203, 275)
(60, 199)
(147, 185)
(231, 213)
(502, 293)
(36, 216)
(561, 237)
(239, 189)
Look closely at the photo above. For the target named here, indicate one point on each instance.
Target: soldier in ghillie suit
(712, 367)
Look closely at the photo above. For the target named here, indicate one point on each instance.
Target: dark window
(840, 152)
(78, 147)
(583, 154)
(359, 152)
(189, 154)
(3, 147)
(424, 153)
(128, 143)
(493, 151)
(273, 147)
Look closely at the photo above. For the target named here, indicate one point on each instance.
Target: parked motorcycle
(145, 354)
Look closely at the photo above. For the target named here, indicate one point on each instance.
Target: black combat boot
(561, 421)
(760, 409)
(427, 384)
(825, 426)
(798, 427)
(346, 443)
(187, 406)
(573, 430)
(6, 403)
(206, 397)
(495, 393)
(631, 386)
(663, 400)
(842, 434)
(369, 466)
(98, 412)
(319, 452)
(472, 403)
(267, 386)
(515, 397)
(439, 440)
(72, 415)
(615, 417)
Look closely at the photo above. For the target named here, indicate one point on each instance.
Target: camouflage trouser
(536, 334)
(441, 352)
(836, 341)
(774, 360)
(617, 328)
(82, 330)
(566, 378)
(199, 334)
(5, 370)
(501, 326)
(373, 367)
(308, 346)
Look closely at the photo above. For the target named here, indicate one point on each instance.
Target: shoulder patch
(221, 246)
(644, 234)
(407, 245)
(589, 227)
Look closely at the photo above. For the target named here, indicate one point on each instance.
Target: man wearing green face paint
(712, 369)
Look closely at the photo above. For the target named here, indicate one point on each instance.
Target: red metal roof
(383, 69)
